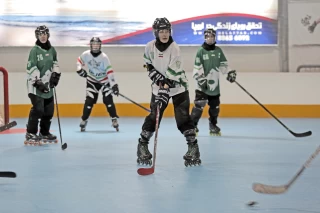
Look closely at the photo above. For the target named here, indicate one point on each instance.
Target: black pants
(43, 110)
(181, 104)
(214, 107)
(92, 92)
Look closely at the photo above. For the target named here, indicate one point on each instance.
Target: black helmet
(42, 30)
(95, 40)
(160, 24)
(209, 31)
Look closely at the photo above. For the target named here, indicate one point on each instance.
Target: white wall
(130, 59)
(267, 87)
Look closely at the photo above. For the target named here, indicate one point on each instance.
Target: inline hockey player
(43, 76)
(164, 65)
(99, 77)
(209, 62)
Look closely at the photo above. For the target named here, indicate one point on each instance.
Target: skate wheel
(215, 134)
(186, 163)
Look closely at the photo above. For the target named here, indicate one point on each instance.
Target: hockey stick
(8, 126)
(149, 171)
(304, 134)
(268, 189)
(63, 146)
(8, 174)
(148, 110)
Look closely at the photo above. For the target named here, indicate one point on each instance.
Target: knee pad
(190, 135)
(214, 107)
(145, 136)
(214, 102)
(200, 104)
(107, 100)
(38, 111)
(90, 102)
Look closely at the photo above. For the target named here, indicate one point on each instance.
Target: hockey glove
(232, 76)
(41, 86)
(82, 73)
(54, 79)
(115, 89)
(203, 84)
(163, 98)
(156, 77)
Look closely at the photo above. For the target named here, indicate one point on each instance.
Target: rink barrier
(227, 110)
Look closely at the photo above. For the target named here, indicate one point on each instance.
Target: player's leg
(214, 110)
(45, 122)
(92, 93)
(200, 102)
(36, 112)
(111, 108)
(148, 129)
(181, 104)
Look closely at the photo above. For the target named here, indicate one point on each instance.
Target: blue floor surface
(97, 173)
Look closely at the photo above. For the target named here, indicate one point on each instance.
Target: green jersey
(207, 67)
(41, 64)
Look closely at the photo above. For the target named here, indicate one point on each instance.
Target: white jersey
(169, 64)
(99, 68)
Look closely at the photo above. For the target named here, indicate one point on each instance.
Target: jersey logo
(205, 57)
(94, 63)
(160, 55)
(178, 64)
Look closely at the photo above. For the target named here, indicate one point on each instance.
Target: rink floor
(97, 173)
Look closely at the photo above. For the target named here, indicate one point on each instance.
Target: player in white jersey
(164, 65)
(100, 75)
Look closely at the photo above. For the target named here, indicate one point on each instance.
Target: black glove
(54, 79)
(163, 98)
(41, 86)
(156, 77)
(203, 84)
(115, 89)
(82, 73)
(232, 76)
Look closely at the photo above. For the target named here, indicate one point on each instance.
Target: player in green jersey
(210, 61)
(42, 77)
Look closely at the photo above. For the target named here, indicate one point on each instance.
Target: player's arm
(110, 74)
(155, 76)
(175, 70)
(55, 76)
(80, 64)
(198, 72)
(225, 69)
(34, 73)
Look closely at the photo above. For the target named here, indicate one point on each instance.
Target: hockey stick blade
(64, 146)
(300, 135)
(268, 189)
(8, 174)
(146, 171)
(8, 126)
